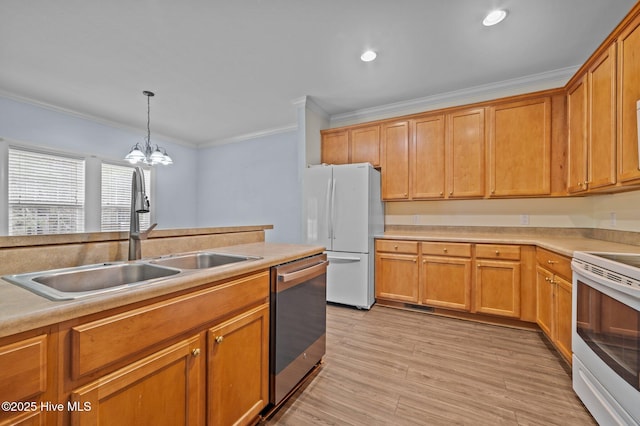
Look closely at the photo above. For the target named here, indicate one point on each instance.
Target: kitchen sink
(200, 260)
(82, 281)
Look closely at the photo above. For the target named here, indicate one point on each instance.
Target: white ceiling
(224, 68)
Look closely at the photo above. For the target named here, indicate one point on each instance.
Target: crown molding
(530, 83)
(84, 116)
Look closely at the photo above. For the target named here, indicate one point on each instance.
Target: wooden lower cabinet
(238, 368)
(165, 388)
(165, 363)
(445, 275)
(544, 298)
(493, 279)
(563, 317)
(497, 287)
(397, 270)
(497, 280)
(553, 291)
(25, 378)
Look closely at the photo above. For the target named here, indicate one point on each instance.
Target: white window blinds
(116, 197)
(46, 193)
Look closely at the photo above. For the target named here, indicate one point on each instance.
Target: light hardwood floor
(392, 367)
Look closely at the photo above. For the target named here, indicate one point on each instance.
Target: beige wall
(578, 212)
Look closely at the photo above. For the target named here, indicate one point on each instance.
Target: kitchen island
(190, 348)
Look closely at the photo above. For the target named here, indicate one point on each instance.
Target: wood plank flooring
(392, 367)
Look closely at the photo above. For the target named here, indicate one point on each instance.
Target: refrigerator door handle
(333, 209)
(329, 186)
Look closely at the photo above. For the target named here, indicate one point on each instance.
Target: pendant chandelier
(147, 154)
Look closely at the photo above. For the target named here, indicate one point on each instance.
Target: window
(46, 193)
(116, 197)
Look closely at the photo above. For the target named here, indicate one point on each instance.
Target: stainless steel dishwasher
(298, 322)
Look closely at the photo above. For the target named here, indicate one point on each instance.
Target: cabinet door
(238, 375)
(428, 157)
(335, 147)
(395, 161)
(23, 377)
(602, 120)
(466, 153)
(446, 282)
(628, 94)
(577, 127)
(563, 316)
(365, 145)
(166, 388)
(544, 301)
(497, 289)
(397, 277)
(520, 148)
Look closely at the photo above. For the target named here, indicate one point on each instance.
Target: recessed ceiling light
(368, 56)
(494, 17)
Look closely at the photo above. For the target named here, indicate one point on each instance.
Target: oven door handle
(304, 274)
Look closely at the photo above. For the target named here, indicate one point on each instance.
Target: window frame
(93, 183)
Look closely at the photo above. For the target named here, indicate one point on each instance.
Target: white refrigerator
(343, 212)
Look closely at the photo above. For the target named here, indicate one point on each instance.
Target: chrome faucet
(139, 204)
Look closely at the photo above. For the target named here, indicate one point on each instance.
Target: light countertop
(21, 310)
(560, 243)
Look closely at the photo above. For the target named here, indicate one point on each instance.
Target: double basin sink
(90, 280)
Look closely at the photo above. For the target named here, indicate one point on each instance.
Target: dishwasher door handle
(305, 274)
(291, 279)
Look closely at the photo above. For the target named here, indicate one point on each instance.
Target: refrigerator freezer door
(318, 181)
(350, 227)
(348, 280)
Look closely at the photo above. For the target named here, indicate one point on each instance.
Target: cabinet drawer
(102, 342)
(497, 251)
(447, 249)
(24, 369)
(554, 262)
(394, 246)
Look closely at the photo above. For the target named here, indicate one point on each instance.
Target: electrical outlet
(415, 219)
(524, 219)
(613, 219)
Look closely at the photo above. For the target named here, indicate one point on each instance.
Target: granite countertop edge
(21, 310)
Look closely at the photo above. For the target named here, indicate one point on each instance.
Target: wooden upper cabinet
(352, 145)
(428, 157)
(465, 146)
(602, 120)
(395, 161)
(520, 148)
(365, 145)
(577, 135)
(628, 94)
(335, 147)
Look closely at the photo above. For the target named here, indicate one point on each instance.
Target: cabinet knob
(441, 193)
(450, 192)
(219, 339)
(547, 279)
(552, 262)
(395, 247)
(497, 252)
(445, 249)
(195, 352)
(493, 191)
(405, 194)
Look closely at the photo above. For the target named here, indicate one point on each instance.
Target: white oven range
(606, 335)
